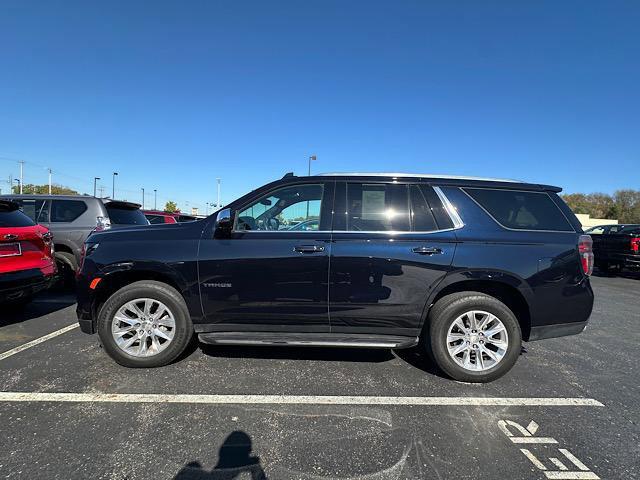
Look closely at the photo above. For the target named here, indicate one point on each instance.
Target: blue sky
(174, 94)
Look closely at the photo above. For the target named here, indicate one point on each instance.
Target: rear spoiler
(122, 205)
(8, 205)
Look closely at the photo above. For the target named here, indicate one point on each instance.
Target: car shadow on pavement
(38, 307)
(234, 461)
(328, 354)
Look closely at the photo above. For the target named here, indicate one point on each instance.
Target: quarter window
(521, 210)
(295, 207)
(422, 219)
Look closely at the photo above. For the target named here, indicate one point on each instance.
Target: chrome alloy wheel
(143, 327)
(477, 340)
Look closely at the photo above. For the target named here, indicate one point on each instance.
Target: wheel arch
(117, 277)
(507, 292)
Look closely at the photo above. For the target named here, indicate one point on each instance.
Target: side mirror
(224, 224)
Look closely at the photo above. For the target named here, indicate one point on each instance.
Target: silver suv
(71, 218)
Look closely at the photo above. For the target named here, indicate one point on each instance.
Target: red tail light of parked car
(585, 247)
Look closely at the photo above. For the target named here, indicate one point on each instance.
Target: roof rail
(414, 175)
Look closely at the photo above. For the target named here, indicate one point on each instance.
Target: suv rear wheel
(145, 324)
(473, 337)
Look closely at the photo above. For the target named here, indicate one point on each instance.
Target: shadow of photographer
(234, 460)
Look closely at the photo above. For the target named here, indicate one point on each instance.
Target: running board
(308, 339)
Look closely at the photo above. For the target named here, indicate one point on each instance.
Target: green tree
(623, 205)
(44, 189)
(170, 207)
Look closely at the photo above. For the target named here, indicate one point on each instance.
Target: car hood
(147, 232)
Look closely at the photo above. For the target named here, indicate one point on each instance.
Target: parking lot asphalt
(262, 412)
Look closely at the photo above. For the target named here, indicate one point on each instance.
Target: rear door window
(422, 219)
(36, 210)
(65, 211)
(377, 207)
(521, 210)
(126, 216)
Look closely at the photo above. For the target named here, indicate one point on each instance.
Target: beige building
(588, 222)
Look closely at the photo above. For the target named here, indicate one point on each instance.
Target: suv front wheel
(145, 324)
(473, 337)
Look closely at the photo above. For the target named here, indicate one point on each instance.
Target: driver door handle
(308, 248)
(426, 250)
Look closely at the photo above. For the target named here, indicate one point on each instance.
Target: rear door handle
(426, 250)
(308, 248)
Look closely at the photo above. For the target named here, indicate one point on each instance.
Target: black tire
(153, 290)
(443, 314)
(67, 267)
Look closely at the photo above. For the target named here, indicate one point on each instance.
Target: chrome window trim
(572, 231)
(449, 208)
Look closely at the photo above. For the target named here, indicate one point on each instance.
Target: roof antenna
(288, 174)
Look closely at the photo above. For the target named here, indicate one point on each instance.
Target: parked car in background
(27, 263)
(71, 218)
(157, 217)
(466, 268)
(616, 246)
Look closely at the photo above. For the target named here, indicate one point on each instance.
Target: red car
(157, 216)
(27, 263)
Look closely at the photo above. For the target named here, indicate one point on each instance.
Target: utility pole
(95, 179)
(155, 199)
(50, 181)
(218, 204)
(21, 162)
(143, 198)
(101, 188)
(113, 186)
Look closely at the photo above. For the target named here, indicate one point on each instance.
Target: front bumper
(23, 283)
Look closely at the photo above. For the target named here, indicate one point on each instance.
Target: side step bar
(308, 339)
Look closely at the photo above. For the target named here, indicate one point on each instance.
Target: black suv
(466, 268)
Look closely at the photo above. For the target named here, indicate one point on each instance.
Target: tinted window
(422, 219)
(377, 207)
(67, 210)
(36, 210)
(437, 208)
(282, 209)
(155, 219)
(126, 216)
(186, 218)
(14, 218)
(521, 210)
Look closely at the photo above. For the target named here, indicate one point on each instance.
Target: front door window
(296, 208)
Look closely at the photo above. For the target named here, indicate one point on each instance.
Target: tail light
(102, 223)
(635, 244)
(585, 248)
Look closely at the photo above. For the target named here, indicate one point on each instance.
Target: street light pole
(113, 185)
(218, 205)
(155, 199)
(312, 157)
(95, 179)
(19, 184)
(143, 198)
(21, 162)
(50, 181)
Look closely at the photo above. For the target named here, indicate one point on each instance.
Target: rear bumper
(628, 260)
(557, 330)
(23, 283)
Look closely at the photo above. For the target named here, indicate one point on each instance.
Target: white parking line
(294, 399)
(37, 341)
